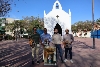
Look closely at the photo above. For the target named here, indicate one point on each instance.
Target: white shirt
(56, 38)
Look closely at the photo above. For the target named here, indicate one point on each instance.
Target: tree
(4, 7)
(21, 31)
(27, 23)
(74, 28)
(98, 20)
(9, 27)
(82, 25)
(34, 22)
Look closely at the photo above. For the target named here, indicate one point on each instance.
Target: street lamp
(93, 23)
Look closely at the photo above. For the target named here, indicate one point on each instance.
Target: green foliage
(27, 23)
(84, 25)
(9, 37)
(34, 22)
(98, 20)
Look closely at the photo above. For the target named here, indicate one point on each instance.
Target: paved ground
(83, 54)
(17, 54)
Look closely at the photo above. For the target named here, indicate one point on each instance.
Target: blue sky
(81, 9)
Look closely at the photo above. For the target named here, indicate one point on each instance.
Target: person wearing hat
(67, 41)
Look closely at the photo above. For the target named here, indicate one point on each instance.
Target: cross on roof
(57, 16)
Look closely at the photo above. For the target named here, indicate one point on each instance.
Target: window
(57, 6)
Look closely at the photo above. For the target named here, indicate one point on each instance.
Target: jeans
(70, 52)
(58, 48)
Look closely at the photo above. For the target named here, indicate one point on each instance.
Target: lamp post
(93, 23)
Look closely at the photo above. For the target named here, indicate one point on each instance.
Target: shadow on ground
(84, 55)
(19, 55)
(15, 54)
(81, 45)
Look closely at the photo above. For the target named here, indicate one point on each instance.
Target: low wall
(88, 34)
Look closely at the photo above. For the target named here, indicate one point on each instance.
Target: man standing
(67, 40)
(45, 36)
(36, 41)
(57, 40)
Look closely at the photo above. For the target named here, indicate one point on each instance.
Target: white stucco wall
(64, 19)
(88, 34)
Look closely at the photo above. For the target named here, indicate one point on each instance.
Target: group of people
(36, 41)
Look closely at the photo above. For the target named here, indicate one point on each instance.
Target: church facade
(57, 18)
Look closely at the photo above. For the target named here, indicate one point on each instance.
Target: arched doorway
(59, 28)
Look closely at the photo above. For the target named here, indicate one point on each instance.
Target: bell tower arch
(57, 5)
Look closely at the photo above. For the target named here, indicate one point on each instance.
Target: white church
(57, 18)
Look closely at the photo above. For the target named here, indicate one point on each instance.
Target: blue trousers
(58, 48)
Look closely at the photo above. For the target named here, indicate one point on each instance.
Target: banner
(39, 31)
